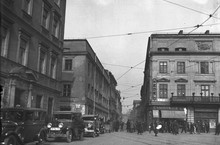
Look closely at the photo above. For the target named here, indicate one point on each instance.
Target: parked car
(66, 124)
(91, 125)
(22, 125)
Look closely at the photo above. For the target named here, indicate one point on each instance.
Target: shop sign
(156, 113)
(212, 123)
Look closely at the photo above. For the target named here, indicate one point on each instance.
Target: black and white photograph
(110, 72)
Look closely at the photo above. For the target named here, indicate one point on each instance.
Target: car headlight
(60, 125)
(49, 125)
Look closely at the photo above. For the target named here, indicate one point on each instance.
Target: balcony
(195, 100)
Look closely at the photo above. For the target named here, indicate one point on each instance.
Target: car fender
(9, 133)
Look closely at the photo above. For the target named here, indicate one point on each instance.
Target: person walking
(128, 126)
(217, 129)
(155, 128)
(184, 127)
(207, 127)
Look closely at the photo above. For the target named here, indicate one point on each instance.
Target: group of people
(132, 126)
(172, 126)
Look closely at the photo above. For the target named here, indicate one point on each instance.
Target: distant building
(85, 82)
(136, 110)
(31, 52)
(182, 78)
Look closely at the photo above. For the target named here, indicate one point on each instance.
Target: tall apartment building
(182, 78)
(31, 52)
(85, 82)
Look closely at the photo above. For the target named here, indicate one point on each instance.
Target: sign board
(212, 123)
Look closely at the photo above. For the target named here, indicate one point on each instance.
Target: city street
(124, 138)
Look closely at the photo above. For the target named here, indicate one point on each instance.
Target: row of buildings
(41, 70)
(182, 78)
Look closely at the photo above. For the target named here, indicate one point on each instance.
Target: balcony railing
(195, 100)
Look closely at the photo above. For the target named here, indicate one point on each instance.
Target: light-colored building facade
(85, 82)
(182, 78)
(31, 52)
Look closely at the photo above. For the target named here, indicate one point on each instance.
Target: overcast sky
(106, 23)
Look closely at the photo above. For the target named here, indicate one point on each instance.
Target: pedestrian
(151, 127)
(207, 127)
(217, 129)
(175, 127)
(184, 127)
(128, 126)
(155, 128)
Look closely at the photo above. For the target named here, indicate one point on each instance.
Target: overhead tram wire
(121, 66)
(190, 8)
(197, 26)
(130, 70)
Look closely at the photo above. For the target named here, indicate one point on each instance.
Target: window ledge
(44, 30)
(27, 16)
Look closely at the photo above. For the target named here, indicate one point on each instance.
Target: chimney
(207, 32)
(180, 32)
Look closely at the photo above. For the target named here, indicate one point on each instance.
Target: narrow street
(124, 138)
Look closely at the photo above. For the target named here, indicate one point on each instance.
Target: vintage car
(66, 124)
(91, 125)
(22, 125)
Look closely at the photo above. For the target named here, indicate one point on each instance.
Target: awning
(172, 114)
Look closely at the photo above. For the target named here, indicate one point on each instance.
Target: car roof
(66, 112)
(89, 116)
(22, 109)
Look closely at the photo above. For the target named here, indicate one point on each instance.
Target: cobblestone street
(124, 138)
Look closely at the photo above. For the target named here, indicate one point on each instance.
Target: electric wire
(120, 65)
(190, 8)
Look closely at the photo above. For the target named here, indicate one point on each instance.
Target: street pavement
(124, 138)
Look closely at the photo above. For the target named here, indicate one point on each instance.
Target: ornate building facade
(182, 78)
(31, 52)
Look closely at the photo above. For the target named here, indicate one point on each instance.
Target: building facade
(85, 82)
(182, 78)
(31, 52)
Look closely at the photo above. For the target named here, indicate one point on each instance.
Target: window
(204, 66)
(53, 66)
(42, 62)
(39, 101)
(205, 90)
(4, 40)
(163, 49)
(163, 90)
(57, 2)
(180, 49)
(55, 29)
(163, 67)
(66, 90)
(68, 64)
(22, 58)
(181, 90)
(180, 67)
(46, 16)
(28, 6)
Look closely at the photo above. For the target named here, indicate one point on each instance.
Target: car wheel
(93, 135)
(11, 140)
(69, 136)
(42, 138)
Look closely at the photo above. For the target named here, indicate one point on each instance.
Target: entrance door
(18, 98)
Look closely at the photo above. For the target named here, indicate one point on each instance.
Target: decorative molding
(204, 81)
(204, 45)
(181, 80)
(163, 80)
